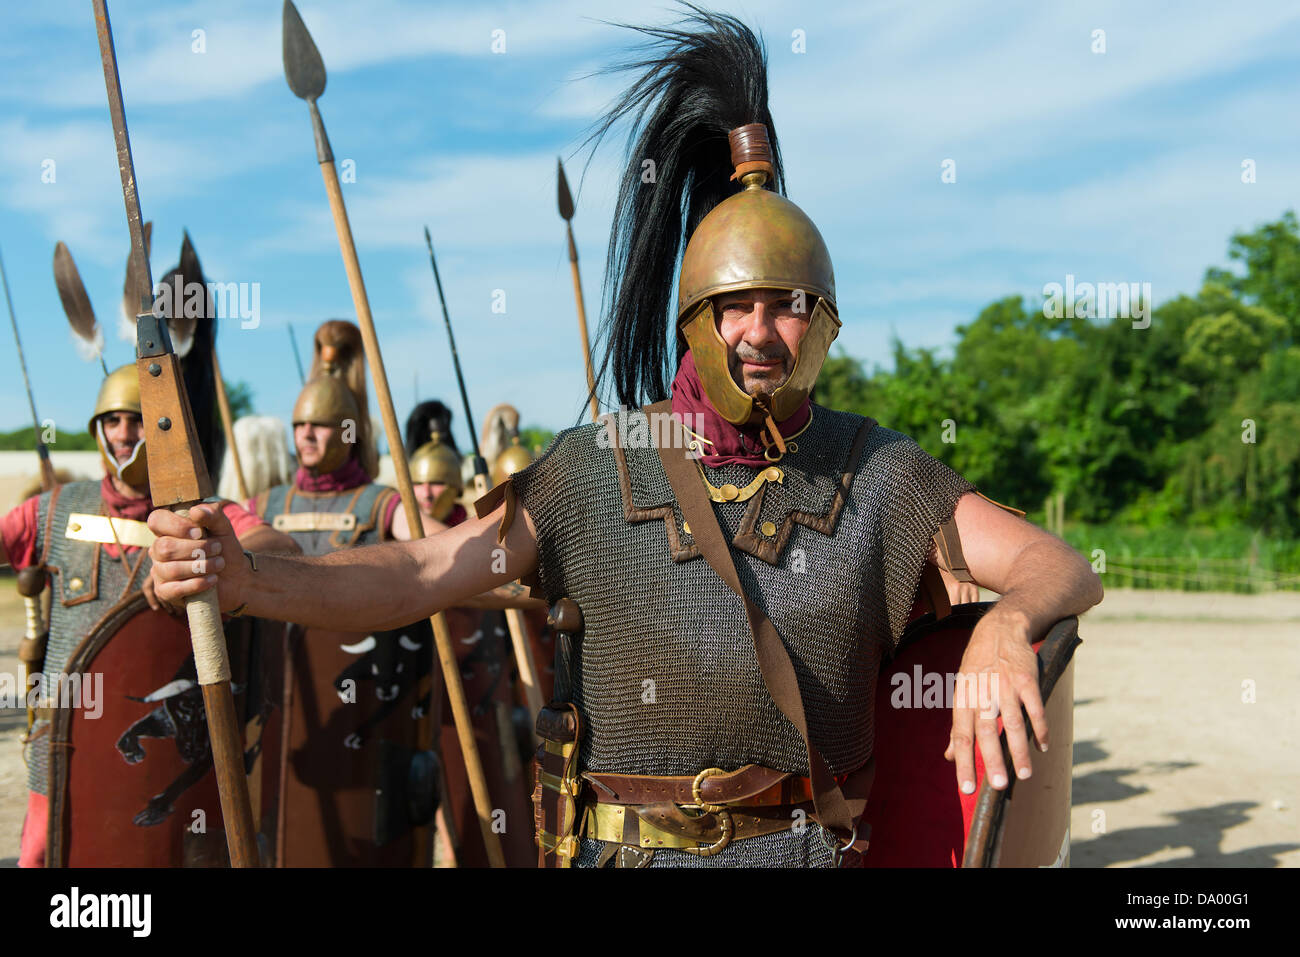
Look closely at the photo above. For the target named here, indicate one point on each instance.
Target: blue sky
(1115, 166)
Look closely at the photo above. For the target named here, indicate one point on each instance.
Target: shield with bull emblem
(146, 735)
(357, 774)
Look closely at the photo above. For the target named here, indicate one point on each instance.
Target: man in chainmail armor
(729, 565)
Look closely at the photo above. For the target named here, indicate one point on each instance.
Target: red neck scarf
(346, 476)
(732, 445)
(123, 506)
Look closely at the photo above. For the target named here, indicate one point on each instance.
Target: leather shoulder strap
(948, 544)
(46, 532)
(833, 809)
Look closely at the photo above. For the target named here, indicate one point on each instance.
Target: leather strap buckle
(720, 810)
(724, 820)
(699, 798)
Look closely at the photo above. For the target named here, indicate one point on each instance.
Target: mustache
(750, 354)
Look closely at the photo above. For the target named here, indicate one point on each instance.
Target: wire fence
(1198, 574)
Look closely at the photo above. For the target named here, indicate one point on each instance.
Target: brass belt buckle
(724, 816)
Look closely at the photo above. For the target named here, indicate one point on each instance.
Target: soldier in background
(354, 701)
(104, 616)
(263, 453)
(483, 652)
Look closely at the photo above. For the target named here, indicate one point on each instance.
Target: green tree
(1271, 255)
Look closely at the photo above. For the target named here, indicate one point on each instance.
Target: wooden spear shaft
(441, 634)
(514, 617)
(228, 426)
(582, 321)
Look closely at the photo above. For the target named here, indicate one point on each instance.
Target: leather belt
(750, 786)
(703, 833)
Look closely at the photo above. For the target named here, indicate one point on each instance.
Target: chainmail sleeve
(922, 495)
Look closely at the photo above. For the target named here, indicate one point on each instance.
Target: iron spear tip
(565, 197)
(303, 67)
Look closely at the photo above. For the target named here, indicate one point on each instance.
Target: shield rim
(97, 636)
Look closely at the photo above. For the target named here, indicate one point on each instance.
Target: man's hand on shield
(998, 675)
(185, 563)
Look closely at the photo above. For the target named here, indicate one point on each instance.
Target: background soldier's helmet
(120, 392)
(511, 460)
(755, 239)
(436, 463)
(326, 400)
(338, 352)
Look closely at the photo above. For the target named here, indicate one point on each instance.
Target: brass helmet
(512, 458)
(120, 392)
(436, 463)
(326, 400)
(755, 239)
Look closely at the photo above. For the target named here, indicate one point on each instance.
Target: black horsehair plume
(698, 80)
(423, 419)
(193, 337)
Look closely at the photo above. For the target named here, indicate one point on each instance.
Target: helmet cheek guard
(711, 354)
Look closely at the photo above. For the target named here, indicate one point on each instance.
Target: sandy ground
(1187, 721)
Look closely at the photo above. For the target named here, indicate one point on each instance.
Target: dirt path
(1174, 764)
(1172, 767)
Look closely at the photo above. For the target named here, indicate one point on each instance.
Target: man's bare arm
(264, 538)
(509, 595)
(369, 588)
(1041, 580)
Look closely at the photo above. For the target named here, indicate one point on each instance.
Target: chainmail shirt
(665, 674)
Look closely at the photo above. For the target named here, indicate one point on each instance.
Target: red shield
(917, 816)
(133, 785)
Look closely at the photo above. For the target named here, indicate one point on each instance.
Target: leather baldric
(835, 809)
